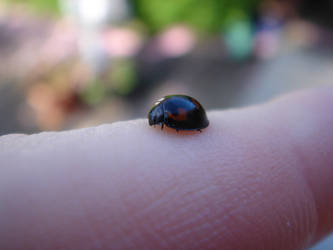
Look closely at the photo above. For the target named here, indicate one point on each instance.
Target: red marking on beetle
(181, 116)
(196, 103)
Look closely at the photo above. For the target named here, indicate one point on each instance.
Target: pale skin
(256, 178)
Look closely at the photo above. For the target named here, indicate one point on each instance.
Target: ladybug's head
(155, 115)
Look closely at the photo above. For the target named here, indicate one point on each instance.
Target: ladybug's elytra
(179, 112)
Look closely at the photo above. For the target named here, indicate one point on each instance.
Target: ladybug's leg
(162, 126)
(199, 130)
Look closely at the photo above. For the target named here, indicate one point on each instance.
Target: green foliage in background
(94, 93)
(122, 77)
(49, 6)
(206, 16)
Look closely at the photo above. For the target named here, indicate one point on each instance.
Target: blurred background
(76, 63)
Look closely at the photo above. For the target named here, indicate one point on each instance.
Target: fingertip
(256, 178)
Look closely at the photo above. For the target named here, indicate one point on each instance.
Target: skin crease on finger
(256, 178)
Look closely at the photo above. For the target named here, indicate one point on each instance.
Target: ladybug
(179, 112)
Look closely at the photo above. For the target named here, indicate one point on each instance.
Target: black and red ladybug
(179, 112)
